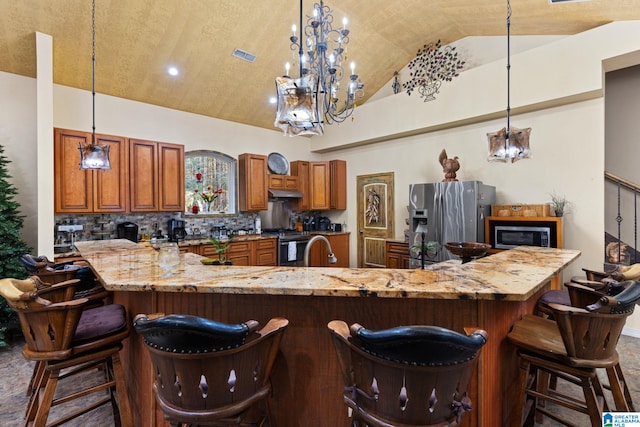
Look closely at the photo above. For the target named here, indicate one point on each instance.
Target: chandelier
(509, 143)
(317, 97)
(94, 156)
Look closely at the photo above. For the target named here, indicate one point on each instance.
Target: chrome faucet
(332, 257)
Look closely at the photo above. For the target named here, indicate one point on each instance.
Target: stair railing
(627, 185)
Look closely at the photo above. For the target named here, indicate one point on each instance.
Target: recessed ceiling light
(273, 100)
(173, 71)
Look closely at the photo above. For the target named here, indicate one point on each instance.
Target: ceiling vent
(244, 55)
(565, 1)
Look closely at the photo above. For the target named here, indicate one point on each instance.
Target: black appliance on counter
(127, 230)
(177, 231)
(323, 223)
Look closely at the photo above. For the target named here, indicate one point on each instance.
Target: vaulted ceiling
(136, 40)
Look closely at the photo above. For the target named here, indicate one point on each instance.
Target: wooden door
(171, 177)
(143, 161)
(375, 217)
(319, 176)
(110, 192)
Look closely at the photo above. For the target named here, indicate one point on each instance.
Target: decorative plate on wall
(277, 164)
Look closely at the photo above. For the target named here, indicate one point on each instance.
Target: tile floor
(15, 372)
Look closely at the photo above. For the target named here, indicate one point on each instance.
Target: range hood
(284, 194)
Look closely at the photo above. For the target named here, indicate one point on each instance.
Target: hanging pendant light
(509, 143)
(94, 156)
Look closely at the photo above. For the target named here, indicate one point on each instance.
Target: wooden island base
(491, 293)
(307, 388)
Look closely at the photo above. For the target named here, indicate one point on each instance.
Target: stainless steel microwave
(510, 236)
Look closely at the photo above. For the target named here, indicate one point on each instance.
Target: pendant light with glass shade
(509, 143)
(94, 156)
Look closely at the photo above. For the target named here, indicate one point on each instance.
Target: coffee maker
(177, 230)
(127, 230)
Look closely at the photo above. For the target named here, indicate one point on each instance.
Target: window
(210, 182)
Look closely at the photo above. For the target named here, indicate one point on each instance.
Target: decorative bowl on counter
(467, 250)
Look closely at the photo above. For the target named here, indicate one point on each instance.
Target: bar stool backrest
(416, 375)
(206, 370)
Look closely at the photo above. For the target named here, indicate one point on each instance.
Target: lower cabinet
(261, 252)
(397, 254)
(319, 256)
(266, 252)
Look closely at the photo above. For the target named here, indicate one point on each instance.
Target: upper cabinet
(86, 191)
(283, 182)
(171, 180)
(338, 184)
(300, 168)
(319, 185)
(145, 176)
(156, 176)
(328, 185)
(323, 184)
(252, 182)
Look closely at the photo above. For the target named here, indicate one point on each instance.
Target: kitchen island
(490, 293)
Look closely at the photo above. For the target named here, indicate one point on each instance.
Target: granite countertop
(513, 275)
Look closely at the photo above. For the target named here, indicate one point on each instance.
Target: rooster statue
(449, 166)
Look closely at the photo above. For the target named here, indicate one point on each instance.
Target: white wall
(122, 117)
(18, 134)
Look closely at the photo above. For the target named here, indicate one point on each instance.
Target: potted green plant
(559, 204)
(222, 246)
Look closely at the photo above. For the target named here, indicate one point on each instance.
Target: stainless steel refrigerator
(443, 212)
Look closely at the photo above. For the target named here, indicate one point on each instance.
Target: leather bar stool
(66, 340)
(406, 376)
(211, 373)
(573, 347)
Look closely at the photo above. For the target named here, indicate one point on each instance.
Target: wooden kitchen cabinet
(283, 182)
(156, 176)
(300, 168)
(88, 191)
(328, 185)
(266, 252)
(261, 252)
(397, 254)
(338, 184)
(171, 180)
(319, 185)
(319, 256)
(252, 182)
(239, 253)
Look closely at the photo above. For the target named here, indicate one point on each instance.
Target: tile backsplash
(103, 226)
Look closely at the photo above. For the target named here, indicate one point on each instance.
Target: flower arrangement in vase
(208, 196)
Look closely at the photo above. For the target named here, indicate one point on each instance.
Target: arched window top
(210, 182)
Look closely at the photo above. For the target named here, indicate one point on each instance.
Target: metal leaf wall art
(432, 65)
